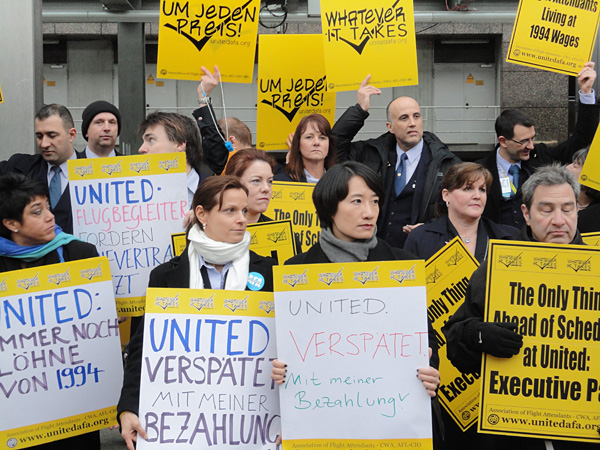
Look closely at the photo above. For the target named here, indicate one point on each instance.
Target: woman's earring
(16, 231)
(447, 204)
(203, 226)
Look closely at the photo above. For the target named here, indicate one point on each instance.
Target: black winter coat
(374, 153)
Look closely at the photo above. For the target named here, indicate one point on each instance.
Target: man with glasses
(516, 156)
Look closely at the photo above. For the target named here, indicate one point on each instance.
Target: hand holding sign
(496, 338)
(586, 78)
(130, 428)
(364, 93)
(430, 377)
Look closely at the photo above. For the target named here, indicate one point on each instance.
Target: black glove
(496, 338)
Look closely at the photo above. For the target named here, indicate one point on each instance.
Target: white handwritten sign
(206, 370)
(128, 207)
(352, 336)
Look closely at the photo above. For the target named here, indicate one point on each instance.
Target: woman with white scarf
(217, 257)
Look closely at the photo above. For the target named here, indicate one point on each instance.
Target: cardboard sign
(60, 357)
(554, 36)
(352, 336)
(273, 239)
(551, 389)
(447, 274)
(206, 377)
(291, 85)
(590, 172)
(293, 201)
(375, 37)
(592, 239)
(128, 206)
(196, 33)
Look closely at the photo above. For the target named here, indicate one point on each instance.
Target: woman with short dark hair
(29, 237)
(464, 191)
(312, 152)
(347, 201)
(255, 169)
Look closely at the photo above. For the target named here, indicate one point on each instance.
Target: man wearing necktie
(410, 161)
(516, 156)
(55, 133)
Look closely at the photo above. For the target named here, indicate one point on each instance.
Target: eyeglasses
(524, 141)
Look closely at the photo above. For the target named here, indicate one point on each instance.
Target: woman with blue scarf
(29, 237)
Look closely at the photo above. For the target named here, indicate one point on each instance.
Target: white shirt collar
(91, 154)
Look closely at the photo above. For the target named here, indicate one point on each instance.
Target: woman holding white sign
(312, 151)
(217, 257)
(29, 237)
(464, 191)
(347, 201)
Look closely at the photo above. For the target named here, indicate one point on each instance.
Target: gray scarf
(338, 251)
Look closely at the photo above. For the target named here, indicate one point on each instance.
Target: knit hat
(95, 108)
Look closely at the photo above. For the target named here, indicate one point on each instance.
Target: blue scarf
(31, 253)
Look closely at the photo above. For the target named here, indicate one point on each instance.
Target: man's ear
(502, 141)
(181, 147)
(72, 133)
(389, 127)
(526, 214)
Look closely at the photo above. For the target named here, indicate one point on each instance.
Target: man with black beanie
(100, 127)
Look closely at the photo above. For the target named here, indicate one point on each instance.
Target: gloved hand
(496, 338)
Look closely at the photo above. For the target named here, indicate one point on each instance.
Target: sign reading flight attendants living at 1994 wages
(375, 37)
(558, 36)
(447, 274)
(196, 33)
(353, 336)
(128, 207)
(551, 388)
(61, 368)
(291, 85)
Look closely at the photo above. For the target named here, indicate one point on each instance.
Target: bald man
(411, 162)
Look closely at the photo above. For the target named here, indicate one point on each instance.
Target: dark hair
(459, 175)
(332, 188)
(506, 122)
(54, 109)
(180, 129)
(242, 159)
(211, 191)
(236, 128)
(16, 192)
(295, 167)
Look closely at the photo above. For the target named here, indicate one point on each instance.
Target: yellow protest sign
(590, 172)
(293, 201)
(291, 85)
(592, 239)
(551, 389)
(273, 239)
(1, 97)
(352, 336)
(60, 355)
(375, 37)
(195, 33)
(554, 36)
(447, 274)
